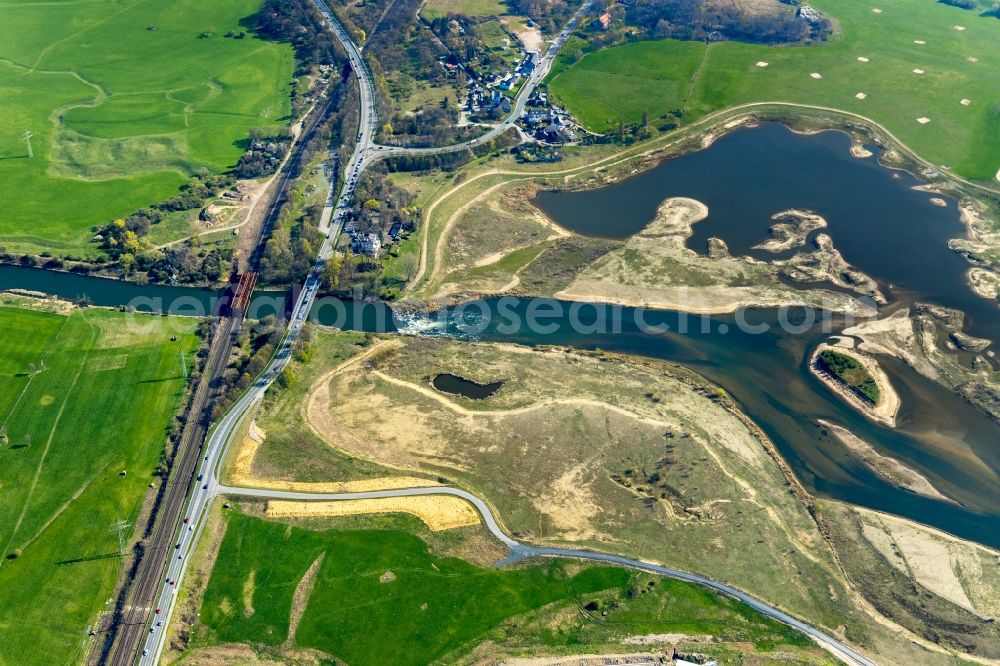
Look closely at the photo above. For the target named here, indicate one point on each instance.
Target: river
(878, 221)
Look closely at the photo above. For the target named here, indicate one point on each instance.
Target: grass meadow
(126, 99)
(83, 396)
(874, 56)
(434, 606)
(436, 8)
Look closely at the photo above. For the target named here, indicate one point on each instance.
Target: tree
(645, 118)
(408, 266)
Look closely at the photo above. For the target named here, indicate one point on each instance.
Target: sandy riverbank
(888, 468)
(655, 269)
(791, 228)
(888, 405)
(985, 283)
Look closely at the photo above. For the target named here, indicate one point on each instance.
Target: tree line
(704, 20)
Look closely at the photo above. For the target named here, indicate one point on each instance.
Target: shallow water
(955, 445)
(876, 219)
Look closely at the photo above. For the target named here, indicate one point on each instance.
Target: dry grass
(438, 512)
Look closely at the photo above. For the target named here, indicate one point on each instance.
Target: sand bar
(888, 405)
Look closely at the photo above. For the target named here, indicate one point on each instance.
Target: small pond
(456, 385)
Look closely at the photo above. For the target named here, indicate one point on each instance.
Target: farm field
(908, 67)
(125, 101)
(84, 395)
(381, 590)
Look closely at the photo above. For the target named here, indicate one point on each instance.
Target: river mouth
(456, 385)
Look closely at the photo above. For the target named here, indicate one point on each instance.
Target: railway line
(171, 569)
(137, 608)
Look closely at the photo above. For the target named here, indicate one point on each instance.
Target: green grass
(967, 138)
(618, 84)
(492, 34)
(850, 371)
(82, 397)
(121, 115)
(438, 605)
(436, 8)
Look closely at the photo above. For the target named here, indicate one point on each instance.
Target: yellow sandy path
(315, 403)
(438, 512)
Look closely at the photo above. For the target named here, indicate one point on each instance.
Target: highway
(220, 438)
(206, 489)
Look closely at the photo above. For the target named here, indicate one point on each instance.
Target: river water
(876, 219)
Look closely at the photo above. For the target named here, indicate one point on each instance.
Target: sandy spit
(887, 467)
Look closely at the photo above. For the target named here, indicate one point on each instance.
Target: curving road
(517, 108)
(217, 442)
(208, 487)
(520, 551)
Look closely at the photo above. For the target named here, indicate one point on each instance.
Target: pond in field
(879, 223)
(467, 388)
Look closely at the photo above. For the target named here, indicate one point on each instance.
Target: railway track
(135, 607)
(137, 599)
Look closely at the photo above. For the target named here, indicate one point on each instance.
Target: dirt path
(657, 144)
(260, 188)
(52, 434)
(301, 597)
(322, 428)
(443, 238)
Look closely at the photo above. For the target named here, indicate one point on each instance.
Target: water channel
(876, 219)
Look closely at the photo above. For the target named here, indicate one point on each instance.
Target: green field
(82, 397)
(436, 8)
(126, 99)
(618, 84)
(433, 605)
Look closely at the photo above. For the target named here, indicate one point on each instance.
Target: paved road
(208, 486)
(517, 108)
(520, 551)
(215, 446)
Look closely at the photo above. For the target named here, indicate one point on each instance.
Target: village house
(369, 244)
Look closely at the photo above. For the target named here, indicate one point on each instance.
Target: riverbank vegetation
(669, 466)
(915, 60)
(943, 588)
(332, 585)
(87, 402)
(103, 145)
(850, 371)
